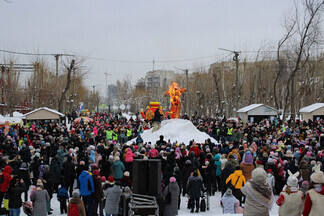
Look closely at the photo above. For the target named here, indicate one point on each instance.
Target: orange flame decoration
(175, 93)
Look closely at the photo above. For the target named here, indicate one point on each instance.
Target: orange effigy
(175, 93)
(149, 114)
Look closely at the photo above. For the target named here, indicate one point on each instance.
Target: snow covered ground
(215, 208)
(175, 130)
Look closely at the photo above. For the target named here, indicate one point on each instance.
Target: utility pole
(2, 83)
(57, 56)
(187, 95)
(236, 59)
(187, 92)
(153, 64)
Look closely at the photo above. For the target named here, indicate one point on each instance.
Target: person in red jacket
(5, 179)
(315, 197)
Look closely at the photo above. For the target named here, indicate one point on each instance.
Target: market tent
(312, 112)
(43, 113)
(257, 112)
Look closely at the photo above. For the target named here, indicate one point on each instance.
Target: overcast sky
(139, 30)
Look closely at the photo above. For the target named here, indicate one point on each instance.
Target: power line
(106, 59)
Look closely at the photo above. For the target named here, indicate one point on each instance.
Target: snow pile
(127, 116)
(175, 130)
(17, 115)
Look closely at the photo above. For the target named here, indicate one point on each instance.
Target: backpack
(168, 197)
(203, 204)
(73, 211)
(27, 208)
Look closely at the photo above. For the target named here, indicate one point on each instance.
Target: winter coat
(290, 204)
(98, 193)
(60, 156)
(195, 187)
(6, 179)
(79, 204)
(15, 195)
(304, 172)
(40, 198)
(247, 170)
(55, 171)
(186, 171)
(85, 183)
(236, 179)
(62, 193)
(126, 181)
(24, 175)
(119, 169)
(68, 169)
(112, 195)
(251, 206)
(218, 165)
(235, 153)
(104, 167)
(153, 153)
(129, 156)
(271, 180)
(172, 208)
(92, 156)
(314, 203)
(229, 204)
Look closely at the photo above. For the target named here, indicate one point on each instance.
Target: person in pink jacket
(153, 153)
(129, 156)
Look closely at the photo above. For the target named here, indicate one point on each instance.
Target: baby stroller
(27, 208)
(4, 211)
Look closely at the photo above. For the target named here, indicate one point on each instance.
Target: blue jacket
(62, 192)
(92, 156)
(218, 165)
(85, 183)
(118, 169)
(228, 204)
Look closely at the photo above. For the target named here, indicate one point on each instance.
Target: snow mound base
(175, 130)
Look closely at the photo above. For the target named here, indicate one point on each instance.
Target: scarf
(265, 190)
(262, 194)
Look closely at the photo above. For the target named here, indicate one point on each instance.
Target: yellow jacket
(233, 178)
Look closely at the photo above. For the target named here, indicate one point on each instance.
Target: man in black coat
(68, 174)
(195, 187)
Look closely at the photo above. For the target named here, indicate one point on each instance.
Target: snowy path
(215, 208)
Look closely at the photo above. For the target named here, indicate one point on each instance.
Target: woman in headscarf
(258, 194)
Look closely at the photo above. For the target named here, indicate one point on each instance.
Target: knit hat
(318, 176)
(103, 178)
(305, 183)
(23, 165)
(269, 170)
(76, 194)
(126, 174)
(111, 157)
(172, 179)
(39, 182)
(248, 159)
(96, 172)
(127, 189)
(288, 154)
(292, 180)
(229, 192)
(259, 176)
(111, 180)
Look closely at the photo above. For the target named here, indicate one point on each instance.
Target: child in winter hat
(228, 202)
(291, 200)
(315, 196)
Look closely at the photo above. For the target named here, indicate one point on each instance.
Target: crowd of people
(87, 166)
